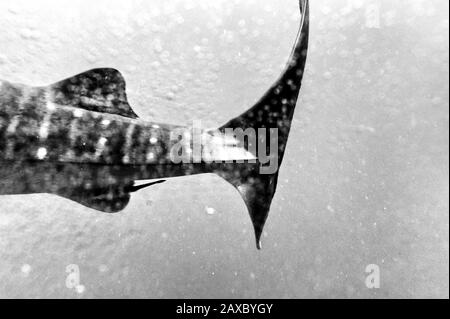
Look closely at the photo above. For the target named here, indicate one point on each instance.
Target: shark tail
(275, 110)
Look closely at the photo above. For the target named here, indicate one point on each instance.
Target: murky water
(364, 179)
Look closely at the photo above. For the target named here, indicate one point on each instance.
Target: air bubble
(210, 210)
(26, 269)
(80, 289)
(328, 75)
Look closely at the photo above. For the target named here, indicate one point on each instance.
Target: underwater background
(364, 179)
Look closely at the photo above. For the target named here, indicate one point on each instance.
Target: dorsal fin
(99, 90)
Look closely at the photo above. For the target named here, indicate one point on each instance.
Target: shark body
(80, 139)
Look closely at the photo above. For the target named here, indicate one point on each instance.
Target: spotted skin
(274, 110)
(30, 121)
(80, 139)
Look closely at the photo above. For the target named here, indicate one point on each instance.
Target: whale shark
(80, 139)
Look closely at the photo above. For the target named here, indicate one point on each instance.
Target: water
(365, 175)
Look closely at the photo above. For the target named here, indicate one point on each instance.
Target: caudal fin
(274, 110)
